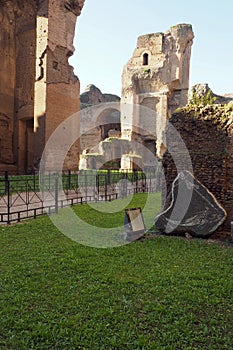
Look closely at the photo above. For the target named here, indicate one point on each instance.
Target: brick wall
(208, 135)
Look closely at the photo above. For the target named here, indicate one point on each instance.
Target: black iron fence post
(7, 184)
(34, 180)
(127, 178)
(77, 180)
(143, 182)
(136, 180)
(69, 180)
(151, 181)
(109, 177)
(49, 180)
(86, 177)
(6, 181)
(97, 184)
(56, 186)
(106, 187)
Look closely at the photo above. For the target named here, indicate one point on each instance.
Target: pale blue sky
(107, 32)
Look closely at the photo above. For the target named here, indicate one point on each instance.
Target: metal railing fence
(29, 196)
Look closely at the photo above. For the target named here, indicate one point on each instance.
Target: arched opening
(109, 121)
(145, 59)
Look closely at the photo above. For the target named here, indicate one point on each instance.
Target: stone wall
(156, 77)
(92, 95)
(203, 90)
(208, 135)
(100, 122)
(38, 89)
(17, 69)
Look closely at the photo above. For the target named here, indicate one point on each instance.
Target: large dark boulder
(192, 209)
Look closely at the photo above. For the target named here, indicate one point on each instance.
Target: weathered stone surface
(38, 89)
(107, 154)
(193, 209)
(92, 96)
(157, 77)
(201, 90)
(134, 224)
(99, 123)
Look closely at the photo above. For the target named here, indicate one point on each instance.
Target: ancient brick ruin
(155, 82)
(94, 130)
(157, 77)
(38, 89)
(92, 95)
(207, 131)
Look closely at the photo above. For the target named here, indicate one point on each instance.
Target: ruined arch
(109, 119)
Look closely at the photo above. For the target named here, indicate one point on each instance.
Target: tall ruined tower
(157, 77)
(38, 89)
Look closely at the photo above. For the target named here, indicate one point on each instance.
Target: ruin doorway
(109, 123)
(26, 149)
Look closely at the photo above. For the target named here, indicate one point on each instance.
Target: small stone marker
(193, 209)
(134, 224)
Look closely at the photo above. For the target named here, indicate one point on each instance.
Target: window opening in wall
(145, 59)
(55, 65)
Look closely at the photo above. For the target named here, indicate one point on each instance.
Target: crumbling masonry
(156, 77)
(155, 83)
(38, 89)
(208, 135)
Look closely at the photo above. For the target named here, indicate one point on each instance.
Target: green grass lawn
(160, 293)
(101, 224)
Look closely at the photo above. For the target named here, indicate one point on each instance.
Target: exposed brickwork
(156, 78)
(208, 136)
(38, 89)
